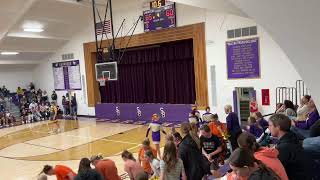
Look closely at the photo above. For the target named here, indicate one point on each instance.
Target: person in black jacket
(291, 153)
(86, 173)
(190, 154)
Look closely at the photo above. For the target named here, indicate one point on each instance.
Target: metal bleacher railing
(293, 94)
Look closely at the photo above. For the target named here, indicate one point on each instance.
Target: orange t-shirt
(107, 168)
(62, 172)
(214, 127)
(146, 164)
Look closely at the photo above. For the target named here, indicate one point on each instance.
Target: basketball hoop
(102, 81)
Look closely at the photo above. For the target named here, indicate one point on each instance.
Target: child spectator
(132, 167)
(211, 146)
(268, 156)
(141, 158)
(85, 172)
(106, 167)
(60, 171)
(171, 166)
(154, 163)
(254, 127)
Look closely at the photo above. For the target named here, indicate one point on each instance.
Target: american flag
(103, 27)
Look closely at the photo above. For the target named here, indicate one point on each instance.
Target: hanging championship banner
(265, 97)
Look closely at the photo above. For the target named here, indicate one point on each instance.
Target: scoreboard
(160, 18)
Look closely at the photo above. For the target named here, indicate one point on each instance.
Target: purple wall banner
(243, 58)
(67, 75)
(176, 113)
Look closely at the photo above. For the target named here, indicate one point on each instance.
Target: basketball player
(156, 127)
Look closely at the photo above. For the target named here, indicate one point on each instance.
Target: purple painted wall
(176, 113)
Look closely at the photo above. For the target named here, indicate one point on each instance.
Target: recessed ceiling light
(9, 53)
(33, 29)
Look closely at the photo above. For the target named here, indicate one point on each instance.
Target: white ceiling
(61, 19)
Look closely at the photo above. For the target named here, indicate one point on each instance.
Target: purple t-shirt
(312, 118)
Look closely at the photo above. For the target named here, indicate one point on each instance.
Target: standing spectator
(211, 146)
(190, 152)
(253, 106)
(233, 126)
(141, 158)
(64, 105)
(74, 106)
(171, 167)
(132, 167)
(32, 88)
(85, 172)
(291, 154)
(54, 96)
(60, 171)
(154, 163)
(20, 93)
(106, 167)
(268, 156)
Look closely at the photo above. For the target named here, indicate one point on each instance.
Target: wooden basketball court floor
(25, 149)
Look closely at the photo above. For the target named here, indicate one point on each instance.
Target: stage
(131, 113)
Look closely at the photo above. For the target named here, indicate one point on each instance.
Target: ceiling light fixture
(9, 53)
(33, 29)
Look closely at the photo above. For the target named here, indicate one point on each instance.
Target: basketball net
(102, 81)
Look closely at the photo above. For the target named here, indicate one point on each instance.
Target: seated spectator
(194, 118)
(245, 166)
(233, 126)
(85, 172)
(291, 154)
(60, 171)
(106, 167)
(154, 163)
(132, 167)
(206, 116)
(11, 120)
(32, 87)
(44, 96)
(35, 114)
(268, 156)
(303, 109)
(278, 108)
(171, 166)
(254, 127)
(211, 146)
(313, 116)
(311, 144)
(287, 109)
(141, 158)
(262, 122)
(190, 152)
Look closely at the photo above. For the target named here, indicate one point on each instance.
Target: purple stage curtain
(158, 74)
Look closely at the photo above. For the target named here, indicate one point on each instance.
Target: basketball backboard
(107, 71)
